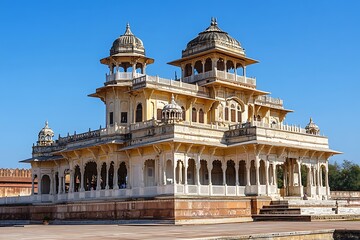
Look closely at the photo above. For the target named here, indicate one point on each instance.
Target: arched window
(208, 65)
(226, 114)
(220, 65)
(201, 116)
(138, 115)
(188, 70)
(239, 114)
(183, 114)
(198, 67)
(193, 115)
(233, 113)
(230, 66)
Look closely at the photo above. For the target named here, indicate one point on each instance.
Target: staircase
(279, 211)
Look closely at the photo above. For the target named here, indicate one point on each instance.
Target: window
(111, 118)
(150, 172)
(138, 114)
(158, 114)
(193, 113)
(183, 114)
(226, 114)
(201, 116)
(123, 117)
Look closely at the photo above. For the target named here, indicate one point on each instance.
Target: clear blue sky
(50, 51)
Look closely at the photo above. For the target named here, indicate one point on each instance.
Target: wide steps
(280, 211)
(282, 217)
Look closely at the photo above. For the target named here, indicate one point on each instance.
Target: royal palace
(209, 136)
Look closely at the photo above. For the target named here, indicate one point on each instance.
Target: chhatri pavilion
(209, 135)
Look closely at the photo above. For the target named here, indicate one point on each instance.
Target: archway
(103, 176)
(252, 173)
(230, 173)
(242, 173)
(138, 114)
(90, 176)
(217, 173)
(204, 173)
(122, 176)
(191, 172)
(262, 173)
(111, 175)
(180, 171)
(149, 172)
(169, 172)
(45, 184)
(77, 178)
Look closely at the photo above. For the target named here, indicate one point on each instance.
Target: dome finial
(46, 124)
(128, 30)
(213, 21)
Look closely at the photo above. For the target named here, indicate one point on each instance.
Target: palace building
(207, 140)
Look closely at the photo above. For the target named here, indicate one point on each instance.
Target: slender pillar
(197, 167)
(327, 182)
(274, 176)
(186, 164)
(301, 190)
(209, 165)
(107, 176)
(224, 174)
(98, 183)
(116, 176)
(248, 166)
(63, 184)
(237, 173)
(267, 177)
(257, 163)
(71, 187)
(82, 182)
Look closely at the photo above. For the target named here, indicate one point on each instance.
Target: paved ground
(90, 232)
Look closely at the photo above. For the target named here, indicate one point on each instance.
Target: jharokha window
(201, 116)
(193, 115)
(138, 115)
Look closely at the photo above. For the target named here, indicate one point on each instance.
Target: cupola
(127, 43)
(172, 112)
(312, 128)
(45, 136)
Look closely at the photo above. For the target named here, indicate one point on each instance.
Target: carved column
(327, 181)
(248, 166)
(267, 177)
(82, 182)
(98, 178)
(107, 176)
(301, 190)
(224, 173)
(116, 176)
(257, 167)
(71, 187)
(237, 173)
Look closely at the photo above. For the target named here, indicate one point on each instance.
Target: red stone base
(170, 209)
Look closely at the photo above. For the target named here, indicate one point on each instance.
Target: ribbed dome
(45, 135)
(127, 43)
(213, 37)
(312, 128)
(172, 106)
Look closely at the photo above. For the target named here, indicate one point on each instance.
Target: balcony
(270, 102)
(275, 134)
(117, 76)
(168, 84)
(222, 75)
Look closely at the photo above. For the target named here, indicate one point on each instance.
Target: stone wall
(344, 194)
(15, 182)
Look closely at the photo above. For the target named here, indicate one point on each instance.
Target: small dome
(172, 112)
(213, 37)
(127, 43)
(312, 128)
(172, 105)
(45, 135)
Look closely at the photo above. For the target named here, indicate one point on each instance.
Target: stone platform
(165, 209)
(253, 230)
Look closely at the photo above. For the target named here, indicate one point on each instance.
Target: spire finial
(311, 120)
(46, 123)
(172, 98)
(128, 30)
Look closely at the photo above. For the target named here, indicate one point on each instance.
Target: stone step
(282, 217)
(279, 202)
(275, 206)
(282, 211)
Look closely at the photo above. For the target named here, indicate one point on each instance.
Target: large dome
(127, 43)
(213, 37)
